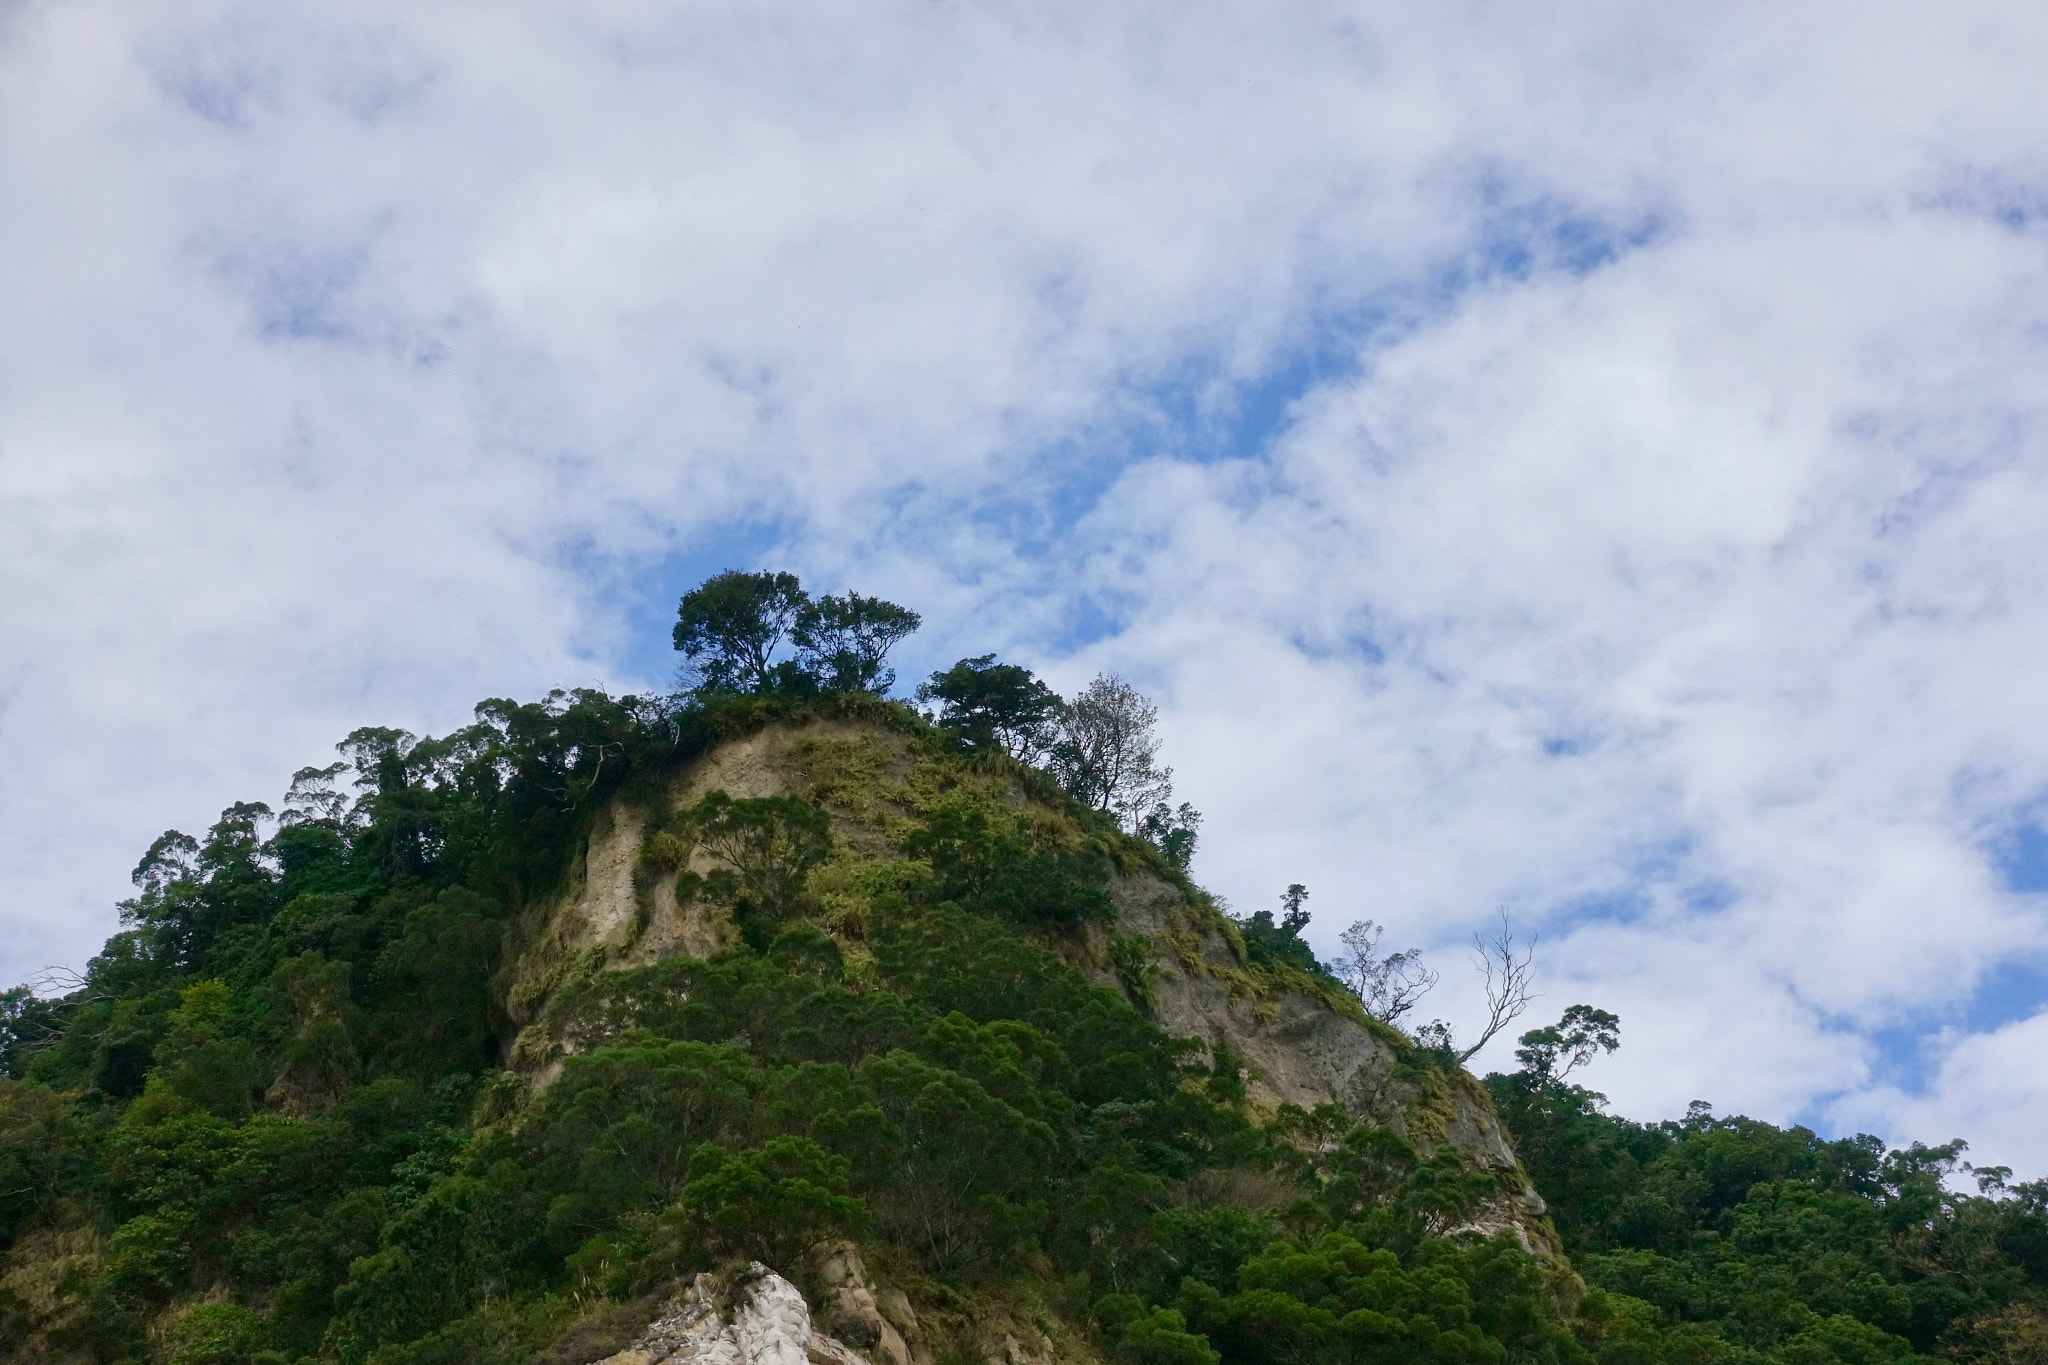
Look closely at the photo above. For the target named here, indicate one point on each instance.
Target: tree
(173, 858)
(29, 1022)
(842, 641)
(382, 759)
(1387, 985)
(1507, 981)
(996, 706)
(1107, 752)
(729, 626)
(312, 799)
(998, 867)
(768, 1203)
(769, 844)
(1572, 1040)
(1267, 944)
(1174, 831)
(1294, 907)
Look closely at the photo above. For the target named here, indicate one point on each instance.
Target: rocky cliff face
(1170, 951)
(1299, 1047)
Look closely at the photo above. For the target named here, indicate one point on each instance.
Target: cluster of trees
(1103, 746)
(731, 627)
(1723, 1241)
(762, 634)
(269, 1125)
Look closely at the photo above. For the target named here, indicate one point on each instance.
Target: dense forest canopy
(273, 1119)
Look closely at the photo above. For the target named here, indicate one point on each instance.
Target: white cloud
(1987, 1089)
(1658, 556)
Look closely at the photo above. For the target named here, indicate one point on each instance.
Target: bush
(216, 1334)
(767, 1204)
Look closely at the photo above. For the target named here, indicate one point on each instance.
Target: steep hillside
(654, 1028)
(1167, 949)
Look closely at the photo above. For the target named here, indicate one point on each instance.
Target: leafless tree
(1107, 754)
(1507, 967)
(29, 1019)
(1387, 985)
(53, 982)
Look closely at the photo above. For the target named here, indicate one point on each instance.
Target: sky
(1585, 459)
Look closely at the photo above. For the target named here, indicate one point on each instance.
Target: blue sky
(1589, 461)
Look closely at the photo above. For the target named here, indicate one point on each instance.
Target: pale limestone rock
(1010, 1351)
(1297, 1050)
(774, 1326)
(764, 1322)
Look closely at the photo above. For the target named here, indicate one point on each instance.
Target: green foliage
(1174, 830)
(1140, 1335)
(1550, 1054)
(730, 627)
(769, 1204)
(1267, 944)
(842, 642)
(27, 1024)
(215, 1334)
(988, 705)
(1729, 1239)
(768, 846)
(993, 865)
(1339, 1299)
(200, 1061)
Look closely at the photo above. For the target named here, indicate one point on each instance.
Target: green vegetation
(1726, 1239)
(271, 1124)
(992, 705)
(280, 1118)
(729, 628)
(1269, 944)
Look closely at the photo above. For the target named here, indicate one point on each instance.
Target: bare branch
(1507, 981)
(1387, 986)
(51, 982)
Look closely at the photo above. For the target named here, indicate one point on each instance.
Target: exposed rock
(856, 1315)
(1298, 1050)
(1008, 1342)
(608, 912)
(761, 1319)
(895, 1306)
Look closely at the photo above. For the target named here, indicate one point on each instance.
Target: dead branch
(1508, 972)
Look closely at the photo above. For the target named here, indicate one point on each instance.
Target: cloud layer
(1581, 458)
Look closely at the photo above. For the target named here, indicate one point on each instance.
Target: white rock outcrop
(760, 1320)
